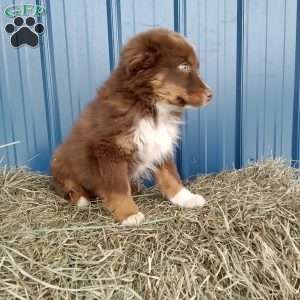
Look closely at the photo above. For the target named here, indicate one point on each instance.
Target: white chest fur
(156, 140)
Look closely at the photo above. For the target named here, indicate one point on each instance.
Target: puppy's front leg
(116, 192)
(123, 209)
(170, 185)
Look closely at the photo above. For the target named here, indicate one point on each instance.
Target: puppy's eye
(184, 67)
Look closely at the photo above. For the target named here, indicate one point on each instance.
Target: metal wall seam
(180, 26)
(114, 30)
(49, 81)
(239, 84)
(296, 112)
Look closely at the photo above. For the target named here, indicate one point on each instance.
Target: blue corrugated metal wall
(248, 56)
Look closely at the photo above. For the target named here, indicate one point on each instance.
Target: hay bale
(245, 244)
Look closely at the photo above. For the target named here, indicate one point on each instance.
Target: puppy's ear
(137, 59)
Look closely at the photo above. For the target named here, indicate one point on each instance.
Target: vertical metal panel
(129, 17)
(137, 16)
(209, 133)
(76, 55)
(43, 89)
(22, 100)
(268, 78)
(247, 55)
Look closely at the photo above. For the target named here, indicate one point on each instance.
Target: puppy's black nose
(209, 95)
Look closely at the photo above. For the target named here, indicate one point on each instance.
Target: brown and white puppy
(132, 127)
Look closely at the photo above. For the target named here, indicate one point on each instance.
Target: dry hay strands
(244, 244)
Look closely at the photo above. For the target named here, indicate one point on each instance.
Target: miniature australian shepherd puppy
(132, 127)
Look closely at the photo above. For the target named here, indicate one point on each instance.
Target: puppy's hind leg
(73, 192)
(66, 185)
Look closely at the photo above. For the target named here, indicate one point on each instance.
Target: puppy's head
(166, 62)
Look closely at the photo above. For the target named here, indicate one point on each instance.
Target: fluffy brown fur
(100, 156)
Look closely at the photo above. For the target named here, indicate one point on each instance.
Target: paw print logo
(24, 33)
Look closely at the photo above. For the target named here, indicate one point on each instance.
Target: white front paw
(185, 198)
(134, 220)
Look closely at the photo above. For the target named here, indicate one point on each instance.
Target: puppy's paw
(194, 201)
(134, 220)
(185, 198)
(83, 202)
